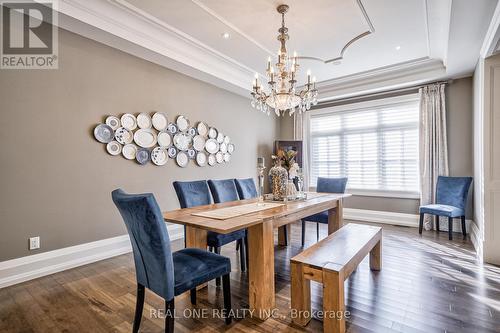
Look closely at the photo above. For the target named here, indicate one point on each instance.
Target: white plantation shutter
(375, 146)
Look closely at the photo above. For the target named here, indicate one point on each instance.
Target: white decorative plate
(160, 121)
(220, 137)
(124, 136)
(182, 159)
(172, 152)
(202, 128)
(219, 157)
(201, 159)
(114, 148)
(145, 137)
(223, 148)
(227, 140)
(164, 139)
(199, 142)
(182, 141)
(212, 146)
(211, 160)
(129, 121)
(227, 157)
(182, 123)
(159, 156)
(230, 148)
(113, 122)
(103, 133)
(144, 120)
(129, 151)
(212, 133)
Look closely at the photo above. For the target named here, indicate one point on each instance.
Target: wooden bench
(330, 262)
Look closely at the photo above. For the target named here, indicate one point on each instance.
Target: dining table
(260, 218)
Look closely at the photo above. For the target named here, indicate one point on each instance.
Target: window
(374, 144)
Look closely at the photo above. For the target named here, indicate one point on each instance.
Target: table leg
(284, 235)
(197, 238)
(261, 269)
(376, 257)
(336, 217)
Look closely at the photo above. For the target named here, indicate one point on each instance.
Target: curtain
(298, 134)
(433, 147)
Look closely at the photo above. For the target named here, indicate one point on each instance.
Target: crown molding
(119, 24)
(491, 43)
(390, 77)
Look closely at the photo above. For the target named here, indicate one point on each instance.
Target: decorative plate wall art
(154, 139)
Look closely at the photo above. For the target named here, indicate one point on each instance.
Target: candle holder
(260, 168)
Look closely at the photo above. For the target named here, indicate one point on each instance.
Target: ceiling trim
(491, 41)
(120, 25)
(120, 19)
(393, 76)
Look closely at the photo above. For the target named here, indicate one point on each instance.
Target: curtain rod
(375, 94)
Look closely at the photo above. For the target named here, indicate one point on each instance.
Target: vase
(279, 177)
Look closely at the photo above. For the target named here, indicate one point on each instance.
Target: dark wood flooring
(427, 284)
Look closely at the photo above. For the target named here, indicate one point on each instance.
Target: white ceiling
(439, 38)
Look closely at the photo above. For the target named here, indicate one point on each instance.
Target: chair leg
(450, 228)
(437, 219)
(192, 293)
(242, 256)
(185, 237)
(238, 242)
(226, 289)
(285, 231)
(303, 232)
(464, 230)
(421, 223)
(217, 280)
(169, 316)
(210, 249)
(139, 305)
(317, 231)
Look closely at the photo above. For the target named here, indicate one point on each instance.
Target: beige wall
(56, 179)
(459, 121)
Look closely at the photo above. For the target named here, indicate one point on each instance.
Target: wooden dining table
(260, 226)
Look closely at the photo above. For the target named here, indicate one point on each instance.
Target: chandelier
(283, 94)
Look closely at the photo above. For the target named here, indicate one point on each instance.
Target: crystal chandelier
(281, 78)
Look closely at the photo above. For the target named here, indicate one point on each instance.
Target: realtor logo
(29, 34)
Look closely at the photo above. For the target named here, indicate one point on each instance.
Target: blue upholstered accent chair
(451, 200)
(325, 185)
(165, 273)
(197, 193)
(225, 190)
(246, 188)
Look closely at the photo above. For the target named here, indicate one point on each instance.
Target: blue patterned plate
(142, 156)
(104, 133)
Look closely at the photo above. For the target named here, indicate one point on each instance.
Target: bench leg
(333, 302)
(301, 296)
(376, 257)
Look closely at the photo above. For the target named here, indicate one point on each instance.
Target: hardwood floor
(427, 284)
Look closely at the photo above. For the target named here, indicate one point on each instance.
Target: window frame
(376, 103)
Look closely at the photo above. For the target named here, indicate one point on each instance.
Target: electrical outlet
(34, 243)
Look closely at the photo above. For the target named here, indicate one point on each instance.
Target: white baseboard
(401, 219)
(31, 267)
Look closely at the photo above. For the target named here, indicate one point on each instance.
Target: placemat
(235, 211)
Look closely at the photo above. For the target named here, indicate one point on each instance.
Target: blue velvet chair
(197, 193)
(246, 188)
(325, 185)
(165, 273)
(451, 200)
(225, 190)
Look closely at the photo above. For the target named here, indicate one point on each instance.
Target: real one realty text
(243, 313)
